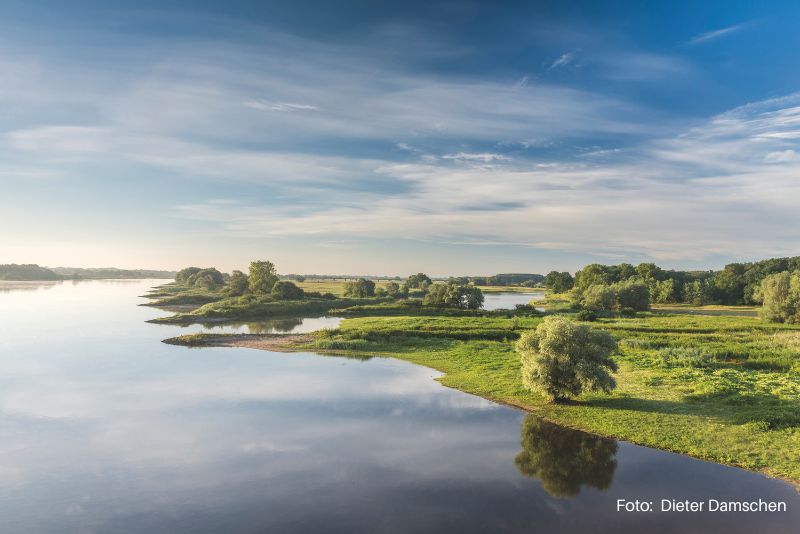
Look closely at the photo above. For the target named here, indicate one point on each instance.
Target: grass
(721, 388)
(237, 308)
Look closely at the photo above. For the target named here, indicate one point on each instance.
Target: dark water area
(105, 429)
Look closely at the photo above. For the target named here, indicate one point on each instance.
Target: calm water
(507, 301)
(105, 429)
(292, 325)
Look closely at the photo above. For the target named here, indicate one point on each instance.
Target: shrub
(360, 288)
(633, 294)
(454, 295)
(285, 290)
(562, 358)
(586, 315)
(599, 297)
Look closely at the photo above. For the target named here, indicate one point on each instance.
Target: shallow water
(507, 301)
(105, 429)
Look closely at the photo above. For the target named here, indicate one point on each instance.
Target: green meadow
(720, 388)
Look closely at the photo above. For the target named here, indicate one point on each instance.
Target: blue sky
(449, 137)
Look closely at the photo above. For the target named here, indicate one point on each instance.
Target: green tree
(285, 290)
(562, 358)
(666, 291)
(208, 278)
(696, 292)
(563, 459)
(418, 281)
(262, 277)
(182, 276)
(780, 293)
(237, 284)
(599, 297)
(632, 294)
(558, 282)
(454, 295)
(394, 290)
(360, 288)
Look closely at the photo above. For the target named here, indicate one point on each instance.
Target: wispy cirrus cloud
(713, 35)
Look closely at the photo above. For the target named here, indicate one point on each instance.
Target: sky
(385, 138)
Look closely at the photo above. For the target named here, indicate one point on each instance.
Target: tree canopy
(262, 278)
(454, 296)
(561, 358)
(360, 288)
(558, 282)
(418, 281)
(780, 293)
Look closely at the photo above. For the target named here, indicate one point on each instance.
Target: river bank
(726, 414)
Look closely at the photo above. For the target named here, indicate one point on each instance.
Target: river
(105, 429)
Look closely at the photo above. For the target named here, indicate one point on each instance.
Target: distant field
(732, 311)
(332, 285)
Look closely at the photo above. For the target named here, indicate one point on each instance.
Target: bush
(599, 297)
(285, 290)
(454, 295)
(586, 315)
(633, 294)
(360, 288)
(561, 358)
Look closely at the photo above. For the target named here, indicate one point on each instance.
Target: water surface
(508, 300)
(105, 429)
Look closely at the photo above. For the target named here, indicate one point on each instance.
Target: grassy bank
(234, 309)
(725, 389)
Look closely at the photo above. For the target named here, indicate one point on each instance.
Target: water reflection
(563, 459)
(284, 325)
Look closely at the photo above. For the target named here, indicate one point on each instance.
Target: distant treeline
(33, 272)
(503, 279)
(737, 283)
(27, 273)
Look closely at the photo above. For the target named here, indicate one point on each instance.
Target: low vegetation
(722, 388)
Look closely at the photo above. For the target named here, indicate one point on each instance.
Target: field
(721, 388)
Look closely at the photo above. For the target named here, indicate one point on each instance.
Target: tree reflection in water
(564, 459)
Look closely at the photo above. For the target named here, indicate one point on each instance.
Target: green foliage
(361, 288)
(780, 293)
(559, 282)
(262, 277)
(563, 459)
(454, 295)
(237, 284)
(586, 315)
(632, 294)
(418, 281)
(598, 297)
(208, 278)
(561, 358)
(742, 410)
(182, 276)
(285, 290)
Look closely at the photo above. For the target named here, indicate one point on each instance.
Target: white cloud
(563, 60)
(485, 157)
(715, 34)
(703, 193)
(263, 105)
